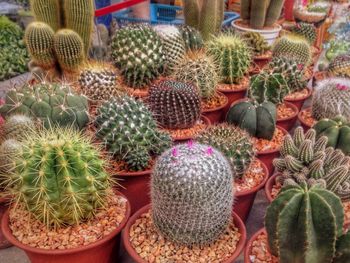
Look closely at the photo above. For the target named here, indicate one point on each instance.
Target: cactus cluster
(305, 30)
(127, 129)
(233, 56)
(175, 104)
(138, 53)
(340, 66)
(305, 159)
(192, 194)
(256, 42)
(192, 38)
(234, 143)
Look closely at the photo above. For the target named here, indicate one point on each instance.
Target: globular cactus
(306, 30)
(9, 149)
(128, 130)
(17, 127)
(340, 66)
(336, 48)
(192, 194)
(53, 104)
(201, 70)
(175, 104)
(259, 120)
(39, 38)
(305, 159)
(60, 177)
(293, 47)
(234, 143)
(256, 42)
(331, 98)
(192, 38)
(69, 49)
(232, 55)
(138, 53)
(47, 11)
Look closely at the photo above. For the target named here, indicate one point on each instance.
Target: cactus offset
(340, 66)
(17, 126)
(305, 30)
(47, 11)
(192, 38)
(257, 42)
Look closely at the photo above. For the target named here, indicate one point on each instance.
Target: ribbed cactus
(305, 159)
(39, 38)
(305, 30)
(340, 66)
(259, 120)
(192, 38)
(128, 130)
(48, 11)
(192, 11)
(17, 126)
(256, 42)
(201, 70)
(60, 177)
(192, 194)
(234, 143)
(331, 98)
(9, 149)
(138, 53)
(175, 104)
(232, 55)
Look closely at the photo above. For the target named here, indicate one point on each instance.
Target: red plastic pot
(102, 251)
(289, 122)
(303, 123)
(288, 10)
(269, 185)
(233, 95)
(215, 115)
(131, 251)
(262, 61)
(249, 246)
(299, 102)
(186, 138)
(244, 200)
(4, 243)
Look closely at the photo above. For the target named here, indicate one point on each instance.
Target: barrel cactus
(175, 104)
(340, 66)
(126, 127)
(256, 42)
(17, 126)
(138, 53)
(192, 38)
(234, 143)
(48, 12)
(306, 30)
(259, 120)
(192, 194)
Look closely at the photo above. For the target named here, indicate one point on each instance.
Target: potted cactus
(315, 13)
(191, 210)
(62, 196)
(340, 66)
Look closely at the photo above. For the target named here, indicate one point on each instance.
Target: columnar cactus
(128, 130)
(47, 11)
(340, 66)
(138, 53)
(17, 126)
(175, 104)
(306, 30)
(192, 38)
(192, 194)
(232, 55)
(234, 143)
(257, 42)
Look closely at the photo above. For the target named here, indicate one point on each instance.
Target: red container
(131, 251)
(262, 61)
(288, 10)
(249, 246)
(4, 243)
(299, 103)
(102, 251)
(216, 115)
(268, 187)
(289, 122)
(303, 123)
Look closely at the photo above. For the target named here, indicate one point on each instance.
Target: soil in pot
(213, 108)
(305, 118)
(298, 98)
(287, 114)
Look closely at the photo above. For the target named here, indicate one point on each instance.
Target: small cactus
(192, 38)
(257, 42)
(305, 30)
(340, 66)
(17, 126)
(9, 149)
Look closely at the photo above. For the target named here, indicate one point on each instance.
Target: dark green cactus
(340, 66)
(17, 126)
(306, 30)
(47, 11)
(257, 42)
(192, 38)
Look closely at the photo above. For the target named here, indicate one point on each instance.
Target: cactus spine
(47, 11)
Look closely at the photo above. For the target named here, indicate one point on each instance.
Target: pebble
(252, 177)
(259, 252)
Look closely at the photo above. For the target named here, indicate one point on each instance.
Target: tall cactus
(192, 10)
(47, 11)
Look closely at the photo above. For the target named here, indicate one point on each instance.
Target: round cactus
(9, 149)
(192, 194)
(234, 143)
(340, 66)
(305, 30)
(257, 42)
(17, 126)
(192, 38)
(175, 104)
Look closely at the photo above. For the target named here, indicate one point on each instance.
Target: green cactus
(234, 143)
(47, 11)
(340, 66)
(192, 38)
(192, 11)
(53, 104)
(192, 194)
(128, 130)
(259, 120)
(9, 149)
(305, 159)
(273, 12)
(17, 126)
(175, 104)
(232, 55)
(256, 42)
(138, 53)
(306, 30)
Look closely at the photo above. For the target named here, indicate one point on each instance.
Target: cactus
(259, 120)
(175, 104)
(306, 30)
(138, 53)
(234, 143)
(232, 55)
(9, 149)
(305, 159)
(340, 66)
(273, 12)
(256, 42)
(53, 104)
(59, 177)
(192, 38)
(17, 126)
(47, 11)
(337, 130)
(331, 98)
(268, 87)
(39, 38)
(192, 194)
(201, 70)
(293, 47)
(192, 11)
(128, 130)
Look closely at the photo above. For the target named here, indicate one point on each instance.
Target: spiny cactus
(128, 130)
(200, 69)
(234, 143)
(232, 55)
(53, 104)
(259, 120)
(192, 38)
(9, 149)
(331, 98)
(340, 66)
(138, 53)
(306, 30)
(305, 159)
(47, 11)
(192, 194)
(17, 126)
(257, 42)
(175, 104)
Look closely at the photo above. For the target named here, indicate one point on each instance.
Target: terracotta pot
(186, 138)
(288, 122)
(262, 61)
(299, 102)
(244, 200)
(216, 114)
(102, 251)
(131, 251)
(303, 123)
(249, 246)
(268, 187)
(4, 243)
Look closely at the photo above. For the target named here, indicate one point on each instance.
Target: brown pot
(216, 114)
(269, 185)
(4, 243)
(186, 138)
(249, 246)
(131, 251)
(288, 122)
(299, 102)
(262, 60)
(102, 251)
(306, 126)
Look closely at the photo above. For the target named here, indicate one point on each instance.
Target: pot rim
(131, 251)
(218, 107)
(268, 186)
(277, 28)
(249, 245)
(184, 138)
(309, 93)
(13, 240)
(292, 106)
(301, 120)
